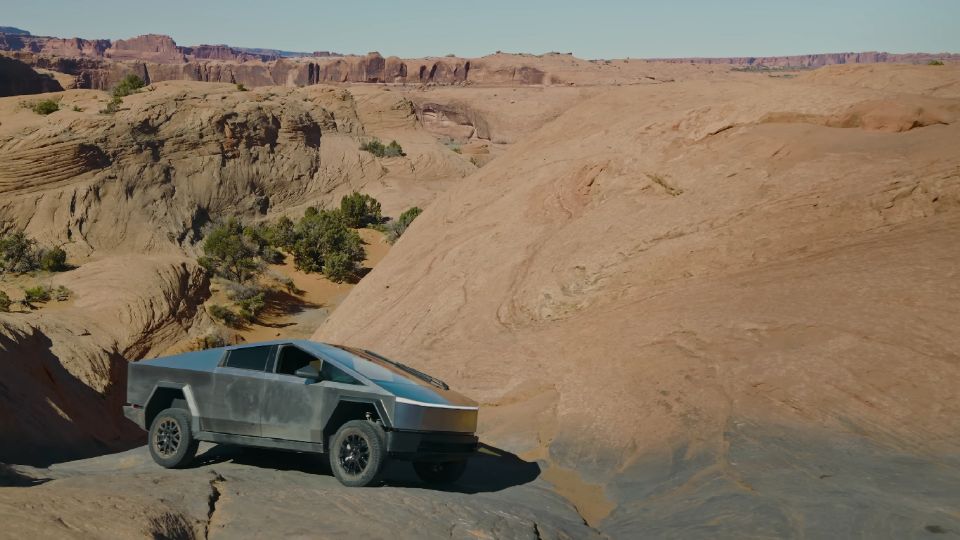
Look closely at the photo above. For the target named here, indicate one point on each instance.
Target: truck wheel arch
(354, 409)
(163, 397)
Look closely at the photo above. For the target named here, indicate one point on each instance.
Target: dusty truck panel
(355, 405)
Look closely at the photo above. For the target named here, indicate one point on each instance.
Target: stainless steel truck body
(355, 405)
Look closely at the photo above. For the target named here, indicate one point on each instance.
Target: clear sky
(589, 29)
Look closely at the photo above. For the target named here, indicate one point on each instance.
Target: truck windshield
(389, 369)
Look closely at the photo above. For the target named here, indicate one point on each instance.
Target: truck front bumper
(430, 446)
(135, 414)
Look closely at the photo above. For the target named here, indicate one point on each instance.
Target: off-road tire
(170, 440)
(440, 472)
(357, 453)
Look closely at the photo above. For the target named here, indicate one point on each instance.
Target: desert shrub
(4, 302)
(259, 235)
(76, 109)
(211, 340)
(288, 285)
(377, 148)
(397, 227)
(393, 150)
(374, 146)
(360, 210)
(935, 63)
(53, 259)
(229, 253)
(241, 87)
(45, 107)
(18, 253)
(128, 85)
(339, 266)
(324, 234)
(112, 107)
(241, 291)
(37, 293)
(61, 293)
(224, 314)
(251, 307)
(280, 233)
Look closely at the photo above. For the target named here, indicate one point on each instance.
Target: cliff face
(17, 78)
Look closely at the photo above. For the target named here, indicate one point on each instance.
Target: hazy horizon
(603, 29)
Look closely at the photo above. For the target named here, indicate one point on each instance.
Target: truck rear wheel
(171, 443)
(439, 472)
(357, 453)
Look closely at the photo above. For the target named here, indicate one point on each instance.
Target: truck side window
(331, 373)
(292, 358)
(254, 358)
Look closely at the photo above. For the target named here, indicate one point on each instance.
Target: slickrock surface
(227, 494)
(733, 304)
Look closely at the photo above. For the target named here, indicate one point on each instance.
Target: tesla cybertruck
(354, 405)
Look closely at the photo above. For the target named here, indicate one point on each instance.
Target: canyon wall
(99, 64)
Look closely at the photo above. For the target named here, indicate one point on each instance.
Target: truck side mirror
(308, 372)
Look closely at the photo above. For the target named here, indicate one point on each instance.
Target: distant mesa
(13, 31)
(101, 63)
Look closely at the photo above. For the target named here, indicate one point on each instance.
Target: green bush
(393, 150)
(46, 106)
(377, 148)
(338, 266)
(324, 234)
(231, 254)
(128, 85)
(224, 314)
(53, 260)
(251, 307)
(374, 146)
(38, 293)
(396, 228)
(935, 63)
(4, 302)
(360, 210)
(18, 253)
(241, 87)
(280, 233)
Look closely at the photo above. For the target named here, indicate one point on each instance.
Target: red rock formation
(158, 58)
(151, 47)
(75, 47)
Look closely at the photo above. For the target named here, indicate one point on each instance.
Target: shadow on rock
(10, 477)
(489, 470)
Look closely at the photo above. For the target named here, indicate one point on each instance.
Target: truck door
(237, 388)
(295, 408)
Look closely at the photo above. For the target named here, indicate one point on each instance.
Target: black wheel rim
(354, 454)
(167, 439)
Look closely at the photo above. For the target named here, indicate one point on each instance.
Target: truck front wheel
(357, 453)
(171, 443)
(440, 472)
